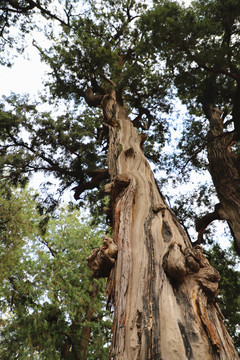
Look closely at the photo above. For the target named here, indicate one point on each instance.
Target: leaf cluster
(18, 19)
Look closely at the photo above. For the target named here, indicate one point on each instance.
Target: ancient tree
(163, 289)
(120, 60)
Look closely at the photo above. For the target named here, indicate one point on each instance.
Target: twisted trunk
(162, 288)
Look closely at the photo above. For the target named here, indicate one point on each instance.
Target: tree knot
(191, 263)
(110, 109)
(120, 184)
(102, 259)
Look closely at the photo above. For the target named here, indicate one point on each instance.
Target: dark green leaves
(65, 146)
(197, 43)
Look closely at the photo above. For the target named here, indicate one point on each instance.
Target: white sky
(25, 76)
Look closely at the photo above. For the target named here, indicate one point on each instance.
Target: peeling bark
(163, 289)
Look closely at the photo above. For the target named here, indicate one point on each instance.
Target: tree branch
(203, 222)
(17, 8)
(194, 155)
(54, 165)
(97, 175)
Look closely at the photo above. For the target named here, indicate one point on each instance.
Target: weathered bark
(163, 290)
(225, 172)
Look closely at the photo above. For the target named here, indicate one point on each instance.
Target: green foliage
(102, 50)
(198, 48)
(50, 305)
(18, 18)
(227, 263)
(66, 146)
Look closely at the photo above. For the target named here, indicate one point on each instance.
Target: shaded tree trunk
(86, 330)
(162, 288)
(79, 349)
(224, 167)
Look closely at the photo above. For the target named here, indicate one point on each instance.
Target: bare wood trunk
(163, 289)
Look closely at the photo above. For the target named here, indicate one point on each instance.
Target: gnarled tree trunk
(162, 288)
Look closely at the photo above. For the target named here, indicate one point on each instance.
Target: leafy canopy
(199, 46)
(146, 53)
(96, 51)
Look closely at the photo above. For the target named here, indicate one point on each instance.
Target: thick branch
(224, 169)
(93, 99)
(16, 7)
(203, 222)
(97, 177)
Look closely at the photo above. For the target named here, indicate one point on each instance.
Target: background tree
(199, 47)
(101, 59)
(51, 308)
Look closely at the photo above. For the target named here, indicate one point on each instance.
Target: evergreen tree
(121, 60)
(51, 308)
